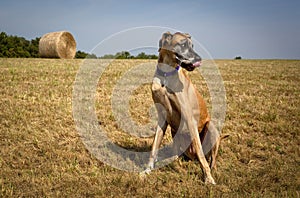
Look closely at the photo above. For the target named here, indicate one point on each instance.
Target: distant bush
(142, 55)
(238, 58)
(81, 54)
(127, 55)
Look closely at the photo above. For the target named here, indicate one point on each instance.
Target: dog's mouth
(188, 65)
(197, 64)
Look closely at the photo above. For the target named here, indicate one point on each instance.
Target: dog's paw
(210, 180)
(144, 173)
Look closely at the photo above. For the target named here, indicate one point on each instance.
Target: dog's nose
(198, 58)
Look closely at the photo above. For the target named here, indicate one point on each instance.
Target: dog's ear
(188, 35)
(165, 40)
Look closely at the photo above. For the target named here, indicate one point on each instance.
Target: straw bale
(57, 45)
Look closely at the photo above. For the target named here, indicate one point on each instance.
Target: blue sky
(251, 29)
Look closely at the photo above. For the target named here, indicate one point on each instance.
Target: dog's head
(179, 48)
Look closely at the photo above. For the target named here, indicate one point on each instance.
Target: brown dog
(181, 106)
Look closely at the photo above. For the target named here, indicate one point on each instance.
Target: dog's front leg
(199, 151)
(160, 131)
(196, 143)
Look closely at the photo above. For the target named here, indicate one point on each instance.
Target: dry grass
(42, 155)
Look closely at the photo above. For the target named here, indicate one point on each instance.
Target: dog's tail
(213, 129)
(224, 136)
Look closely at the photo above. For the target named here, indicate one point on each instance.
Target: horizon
(136, 52)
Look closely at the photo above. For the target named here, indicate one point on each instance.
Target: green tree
(141, 55)
(81, 55)
(122, 55)
(92, 56)
(14, 46)
(107, 56)
(34, 47)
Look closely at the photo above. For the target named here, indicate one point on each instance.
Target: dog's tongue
(197, 64)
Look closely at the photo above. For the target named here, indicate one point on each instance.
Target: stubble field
(42, 154)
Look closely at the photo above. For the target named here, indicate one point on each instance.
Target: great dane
(181, 106)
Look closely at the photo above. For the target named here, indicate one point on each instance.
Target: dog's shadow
(133, 157)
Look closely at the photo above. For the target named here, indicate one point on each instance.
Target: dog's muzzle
(187, 64)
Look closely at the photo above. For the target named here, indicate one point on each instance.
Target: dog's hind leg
(210, 144)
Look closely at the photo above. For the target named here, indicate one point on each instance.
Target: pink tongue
(197, 64)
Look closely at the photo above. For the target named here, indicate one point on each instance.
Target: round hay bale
(57, 45)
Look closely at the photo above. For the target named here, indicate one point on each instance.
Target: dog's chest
(174, 98)
(163, 81)
(168, 106)
(168, 103)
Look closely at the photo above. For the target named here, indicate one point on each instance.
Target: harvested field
(42, 154)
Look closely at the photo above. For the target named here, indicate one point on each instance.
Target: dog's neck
(162, 70)
(167, 73)
(167, 70)
(167, 57)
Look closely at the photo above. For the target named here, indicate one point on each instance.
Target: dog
(181, 106)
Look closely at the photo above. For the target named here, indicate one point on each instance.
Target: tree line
(118, 55)
(19, 47)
